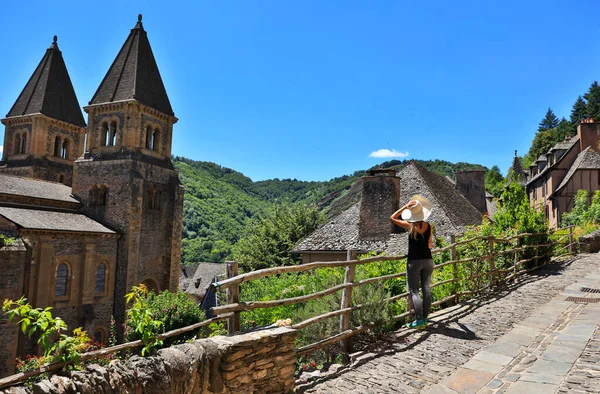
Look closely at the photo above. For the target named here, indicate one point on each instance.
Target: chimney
(380, 198)
(589, 134)
(471, 184)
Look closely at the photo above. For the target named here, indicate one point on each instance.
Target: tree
(593, 100)
(579, 111)
(270, 238)
(550, 121)
(494, 181)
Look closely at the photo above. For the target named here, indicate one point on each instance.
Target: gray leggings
(420, 270)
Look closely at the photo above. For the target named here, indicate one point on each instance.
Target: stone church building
(88, 210)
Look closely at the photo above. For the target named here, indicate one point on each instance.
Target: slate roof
(565, 145)
(35, 219)
(201, 274)
(49, 91)
(589, 159)
(134, 75)
(28, 187)
(452, 212)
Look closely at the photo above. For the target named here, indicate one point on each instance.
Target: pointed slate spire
(49, 91)
(134, 75)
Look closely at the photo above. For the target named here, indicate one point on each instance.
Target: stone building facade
(92, 209)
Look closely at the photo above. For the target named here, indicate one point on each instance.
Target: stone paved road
(407, 361)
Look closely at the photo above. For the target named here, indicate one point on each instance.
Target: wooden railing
(231, 311)
(517, 246)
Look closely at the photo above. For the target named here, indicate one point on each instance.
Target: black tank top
(419, 248)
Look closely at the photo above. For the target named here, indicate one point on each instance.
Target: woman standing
(420, 263)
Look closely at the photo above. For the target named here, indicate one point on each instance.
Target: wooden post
(347, 303)
(233, 297)
(492, 262)
(572, 249)
(515, 265)
(455, 284)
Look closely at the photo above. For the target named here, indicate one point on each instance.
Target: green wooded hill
(219, 202)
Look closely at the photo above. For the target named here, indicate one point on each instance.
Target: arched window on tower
(97, 196)
(148, 137)
(104, 134)
(66, 145)
(155, 139)
(23, 146)
(57, 146)
(17, 145)
(112, 134)
(62, 278)
(100, 279)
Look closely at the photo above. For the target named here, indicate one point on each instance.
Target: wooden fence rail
(231, 311)
(488, 277)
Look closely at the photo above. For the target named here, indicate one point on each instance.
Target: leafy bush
(171, 310)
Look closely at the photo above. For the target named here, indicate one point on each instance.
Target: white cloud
(384, 153)
(1, 150)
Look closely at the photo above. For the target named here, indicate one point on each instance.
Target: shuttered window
(62, 275)
(100, 278)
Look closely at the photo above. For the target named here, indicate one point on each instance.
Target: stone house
(567, 167)
(366, 225)
(93, 209)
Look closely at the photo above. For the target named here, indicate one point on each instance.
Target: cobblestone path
(409, 361)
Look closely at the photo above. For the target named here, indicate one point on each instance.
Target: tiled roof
(50, 91)
(517, 170)
(134, 75)
(34, 219)
(201, 273)
(589, 159)
(451, 213)
(565, 145)
(27, 187)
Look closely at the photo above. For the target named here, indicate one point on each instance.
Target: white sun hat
(420, 211)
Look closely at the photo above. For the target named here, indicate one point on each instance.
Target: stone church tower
(45, 128)
(125, 178)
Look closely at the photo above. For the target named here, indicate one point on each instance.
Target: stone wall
(259, 362)
(590, 243)
(12, 260)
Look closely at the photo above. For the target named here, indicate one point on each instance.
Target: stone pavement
(525, 338)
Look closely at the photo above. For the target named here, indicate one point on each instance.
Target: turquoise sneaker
(418, 324)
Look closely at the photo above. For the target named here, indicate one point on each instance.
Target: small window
(112, 134)
(17, 146)
(97, 196)
(23, 145)
(62, 276)
(100, 278)
(66, 146)
(149, 135)
(155, 139)
(104, 134)
(153, 198)
(57, 146)
(99, 336)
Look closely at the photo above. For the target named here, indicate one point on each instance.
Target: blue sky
(311, 89)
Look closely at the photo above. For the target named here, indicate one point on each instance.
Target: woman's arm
(400, 222)
(430, 236)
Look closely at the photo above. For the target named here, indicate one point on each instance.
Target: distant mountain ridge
(219, 202)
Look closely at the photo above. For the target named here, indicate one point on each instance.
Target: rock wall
(259, 362)
(590, 243)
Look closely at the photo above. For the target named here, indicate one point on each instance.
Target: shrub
(172, 311)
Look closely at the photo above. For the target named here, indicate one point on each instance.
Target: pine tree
(593, 100)
(579, 111)
(550, 121)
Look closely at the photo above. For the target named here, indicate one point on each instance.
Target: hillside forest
(222, 206)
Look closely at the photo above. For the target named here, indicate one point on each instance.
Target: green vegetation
(551, 130)
(6, 240)
(585, 218)
(152, 314)
(269, 239)
(50, 332)
(220, 204)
